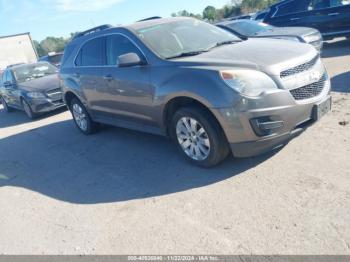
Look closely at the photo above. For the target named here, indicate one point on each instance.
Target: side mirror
(128, 60)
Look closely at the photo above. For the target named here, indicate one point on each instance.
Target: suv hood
(42, 84)
(271, 56)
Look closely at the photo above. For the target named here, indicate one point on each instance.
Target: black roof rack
(150, 18)
(93, 30)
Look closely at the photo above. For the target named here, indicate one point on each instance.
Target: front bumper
(278, 105)
(45, 105)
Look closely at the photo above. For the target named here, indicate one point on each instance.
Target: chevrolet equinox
(208, 90)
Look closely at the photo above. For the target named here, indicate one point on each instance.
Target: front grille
(309, 91)
(300, 68)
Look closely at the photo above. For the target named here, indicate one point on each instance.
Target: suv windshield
(27, 73)
(249, 28)
(179, 38)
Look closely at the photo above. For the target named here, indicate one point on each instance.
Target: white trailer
(16, 49)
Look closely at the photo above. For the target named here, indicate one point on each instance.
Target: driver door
(11, 92)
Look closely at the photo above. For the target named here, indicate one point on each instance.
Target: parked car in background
(53, 58)
(213, 95)
(33, 88)
(254, 29)
(330, 17)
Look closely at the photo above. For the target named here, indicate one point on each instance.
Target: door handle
(108, 77)
(333, 14)
(294, 19)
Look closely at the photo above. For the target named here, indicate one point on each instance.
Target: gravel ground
(123, 192)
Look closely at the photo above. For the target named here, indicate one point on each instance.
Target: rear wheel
(82, 118)
(199, 137)
(7, 109)
(27, 109)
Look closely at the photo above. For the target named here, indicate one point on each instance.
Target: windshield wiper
(185, 54)
(229, 42)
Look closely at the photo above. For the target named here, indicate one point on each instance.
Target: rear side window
(92, 53)
(117, 45)
(293, 7)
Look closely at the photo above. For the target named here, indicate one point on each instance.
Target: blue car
(330, 17)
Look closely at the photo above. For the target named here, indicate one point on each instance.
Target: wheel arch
(175, 103)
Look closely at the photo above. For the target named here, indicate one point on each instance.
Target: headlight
(36, 95)
(290, 38)
(248, 82)
(312, 38)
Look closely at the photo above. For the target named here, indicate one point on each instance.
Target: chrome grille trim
(300, 68)
(309, 91)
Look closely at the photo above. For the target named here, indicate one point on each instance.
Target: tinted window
(92, 53)
(293, 7)
(335, 3)
(118, 45)
(319, 4)
(9, 77)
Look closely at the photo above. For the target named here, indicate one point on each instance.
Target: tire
(201, 140)
(28, 110)
(81, 118)
(7, 109)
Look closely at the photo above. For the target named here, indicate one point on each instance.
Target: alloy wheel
(80, 117)
(193, 138)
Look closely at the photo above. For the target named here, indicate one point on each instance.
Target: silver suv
(211, 92)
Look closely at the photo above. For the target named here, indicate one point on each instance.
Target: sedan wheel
(27, 109)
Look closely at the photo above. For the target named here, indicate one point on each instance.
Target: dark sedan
(33, 88)
(249, 29)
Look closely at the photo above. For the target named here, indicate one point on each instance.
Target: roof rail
(150, 18)
(93, 30)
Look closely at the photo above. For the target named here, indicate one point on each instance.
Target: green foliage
(52, 44)
(237, 7)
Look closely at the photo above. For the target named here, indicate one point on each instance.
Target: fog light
(265, 126)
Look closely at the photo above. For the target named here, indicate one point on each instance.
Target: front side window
(117, 45)
(92, 53)
(185, 36)
(319, 4)
(9, 77)
(30, 72)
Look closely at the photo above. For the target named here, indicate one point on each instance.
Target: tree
(210, 13)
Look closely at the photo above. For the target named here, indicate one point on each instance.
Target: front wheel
(27, 109)
(82, 118)
(199, 137)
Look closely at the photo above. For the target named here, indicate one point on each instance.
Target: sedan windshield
(249, 27)
(184, 38)
(30, 72)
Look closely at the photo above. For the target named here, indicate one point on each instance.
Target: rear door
(89, 73)
(339, 16)
(309, 13)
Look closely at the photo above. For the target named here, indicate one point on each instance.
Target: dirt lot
(123, 192)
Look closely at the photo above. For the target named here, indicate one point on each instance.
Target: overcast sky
(60, 17)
